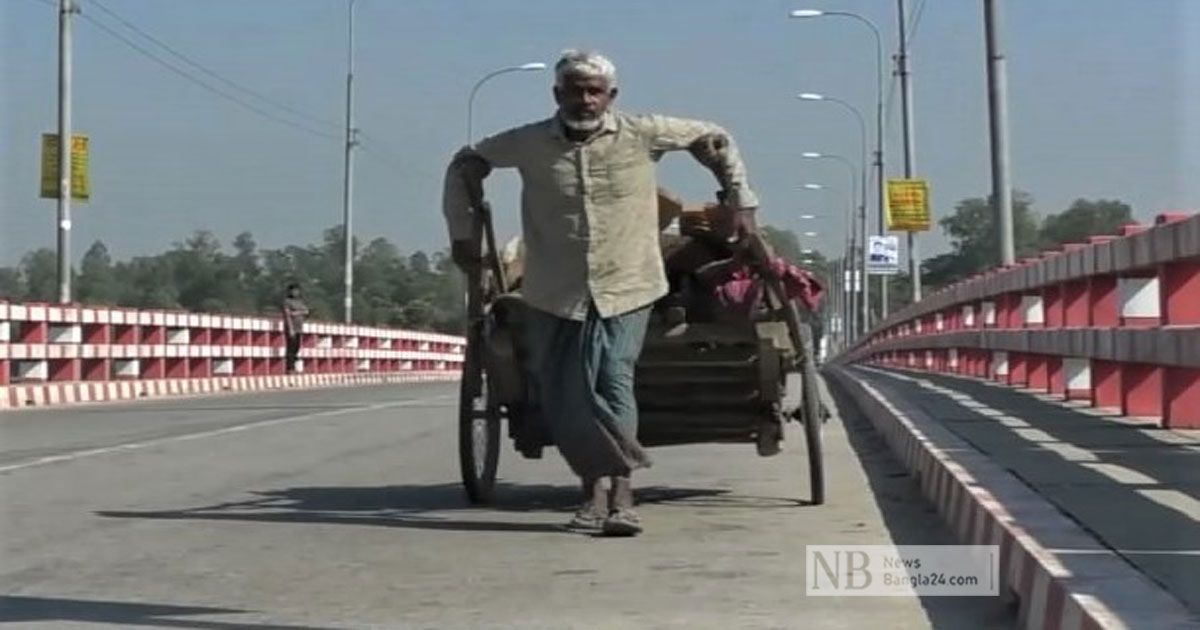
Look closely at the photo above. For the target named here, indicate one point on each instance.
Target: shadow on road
(420, 506)
(15, 609)
(911, 520)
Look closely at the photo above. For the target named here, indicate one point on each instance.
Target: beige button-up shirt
(589, 210)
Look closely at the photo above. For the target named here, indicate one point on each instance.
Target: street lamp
(862, 128)
(525, 67)
(862, 207)
(852, 246)
(813, 13)
(808, 216)
(348, 176)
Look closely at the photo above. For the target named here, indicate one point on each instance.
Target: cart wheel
(478, 426)
(812, 417)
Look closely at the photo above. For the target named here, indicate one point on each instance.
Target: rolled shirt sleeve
(589, 210)
(665, 133)
(498, 151)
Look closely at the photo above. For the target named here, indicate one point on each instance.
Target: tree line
(975, 238)
(419, 291)
(424, 291)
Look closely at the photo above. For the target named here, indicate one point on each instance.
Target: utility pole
(998, 118)
(348, 177)
(65, 144)
(910, 160)
(852, 286)
(880, 175)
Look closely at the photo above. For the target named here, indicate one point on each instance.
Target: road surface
(341, 509)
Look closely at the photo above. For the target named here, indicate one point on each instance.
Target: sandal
(590, 516)
(586, 519)
(622, 519)
(622, 522)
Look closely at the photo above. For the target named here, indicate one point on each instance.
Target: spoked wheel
(478, 425)
(810, 411)
(813, 417)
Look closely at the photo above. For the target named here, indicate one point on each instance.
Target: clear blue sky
(1104, 102)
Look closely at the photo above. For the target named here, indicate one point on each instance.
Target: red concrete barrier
(48, 352)
(1115, 321)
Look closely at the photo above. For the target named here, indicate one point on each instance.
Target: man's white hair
(586, 63)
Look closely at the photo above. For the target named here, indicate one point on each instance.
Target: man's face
(584, 99)
(294, 292)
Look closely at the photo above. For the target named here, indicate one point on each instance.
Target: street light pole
(862, 126)
(998, 117)
(910, 160)
(879, 137)
(851, 250)
(348, 177)
(65, 146)
(527, 67)
(858, 258)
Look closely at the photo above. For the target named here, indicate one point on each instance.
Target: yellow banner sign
(80, 186)
(908, 205)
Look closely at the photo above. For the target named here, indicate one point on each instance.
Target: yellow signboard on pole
(80, 186)
(908, 205)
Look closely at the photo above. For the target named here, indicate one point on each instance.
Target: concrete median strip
(1062, 576)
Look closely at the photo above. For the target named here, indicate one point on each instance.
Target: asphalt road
(342, 509)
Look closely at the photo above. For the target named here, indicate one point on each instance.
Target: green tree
(975, 239)
(39, 270)
(1083, 219)
(419, 263)
(246, 259)
(200, 273)
(147, 283)
(377, 271)
(783, 241)
(12, 287)
(423, 290)
(97, 282)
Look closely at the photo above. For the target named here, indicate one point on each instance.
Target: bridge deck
(342, 509)
(1134, 486)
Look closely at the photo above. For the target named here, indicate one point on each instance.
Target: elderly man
(593, 267)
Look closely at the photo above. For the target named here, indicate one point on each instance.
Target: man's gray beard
(582, 124)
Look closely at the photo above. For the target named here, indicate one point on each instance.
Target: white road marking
(1173, 499)
(1176, 500)
(133, 446)
(1070, 452)
(1121, 474)
(1012, 422)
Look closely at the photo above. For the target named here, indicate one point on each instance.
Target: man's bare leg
(595, 508)
(622, 518)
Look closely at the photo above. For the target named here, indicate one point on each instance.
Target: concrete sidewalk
(1133, 486)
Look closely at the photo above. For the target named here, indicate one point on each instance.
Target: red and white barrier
(1115, 321)
(52, 354)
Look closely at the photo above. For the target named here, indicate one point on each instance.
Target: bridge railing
(68, 353)
(1114, 321)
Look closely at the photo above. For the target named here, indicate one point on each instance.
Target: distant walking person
(294, 312)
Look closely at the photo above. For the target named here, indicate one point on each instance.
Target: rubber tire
(812, 418)
(479, 482)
